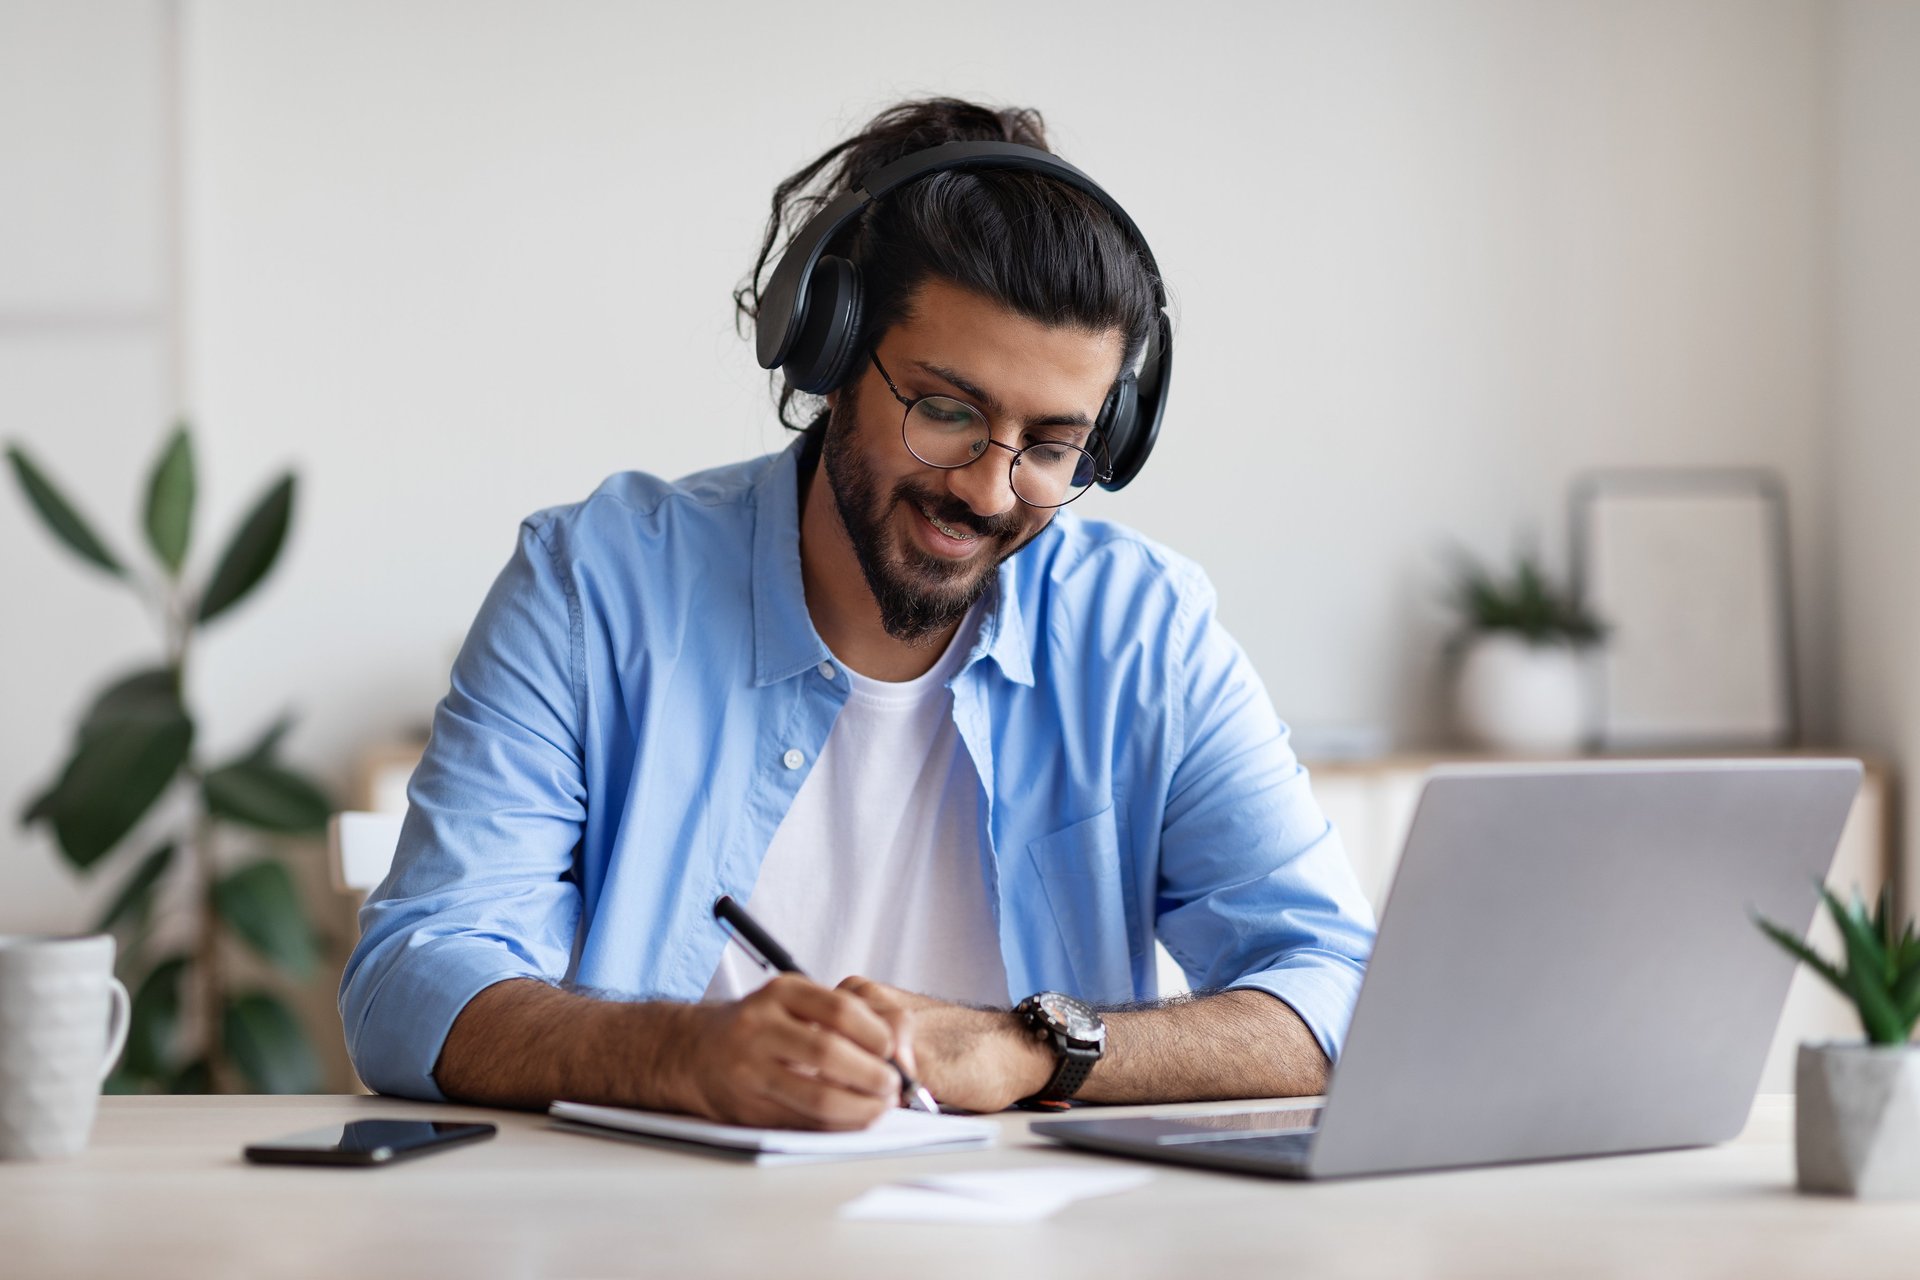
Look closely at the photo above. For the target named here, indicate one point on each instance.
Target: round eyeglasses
(948, 433)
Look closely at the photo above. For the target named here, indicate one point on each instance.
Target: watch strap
(1075, 1066)
(1074, 1063)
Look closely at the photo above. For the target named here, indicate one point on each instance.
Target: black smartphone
(368, 1142)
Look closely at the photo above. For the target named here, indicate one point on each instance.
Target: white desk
(163, 1192)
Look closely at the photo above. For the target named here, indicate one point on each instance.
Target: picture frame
(1688, 570)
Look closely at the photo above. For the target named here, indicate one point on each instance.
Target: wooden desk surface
(162, 1191)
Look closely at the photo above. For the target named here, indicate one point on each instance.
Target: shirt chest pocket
(1079, 871)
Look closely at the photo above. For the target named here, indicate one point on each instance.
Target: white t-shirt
(877, 869)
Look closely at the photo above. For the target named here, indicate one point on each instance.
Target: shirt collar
(1003, 631)
(784, 641)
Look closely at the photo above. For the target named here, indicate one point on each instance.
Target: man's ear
(832, 398)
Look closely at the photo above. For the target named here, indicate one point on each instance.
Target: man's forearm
(523, 1043)
(1233, 1044)
(790, 1055)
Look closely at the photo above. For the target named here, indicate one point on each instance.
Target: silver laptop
(1567, 966)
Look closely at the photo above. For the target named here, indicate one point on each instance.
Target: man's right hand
(792, 1055)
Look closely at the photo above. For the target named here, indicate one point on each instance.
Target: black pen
(759, 944)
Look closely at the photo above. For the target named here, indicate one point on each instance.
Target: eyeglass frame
(1102, 472)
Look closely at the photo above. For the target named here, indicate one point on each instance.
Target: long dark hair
(1035, 245)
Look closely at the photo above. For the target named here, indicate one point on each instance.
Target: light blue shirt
(643, 694)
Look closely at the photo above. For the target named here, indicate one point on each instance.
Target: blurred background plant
(1527, 603)
(1522, 660)
(132, 780)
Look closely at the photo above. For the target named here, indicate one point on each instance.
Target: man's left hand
(971, 1059)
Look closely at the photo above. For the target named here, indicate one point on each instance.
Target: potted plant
(135, 776)
(1524, 678)
(1857, 1105)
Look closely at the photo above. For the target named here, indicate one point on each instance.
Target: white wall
(1876, 378)
(86, 379)
(456, 261)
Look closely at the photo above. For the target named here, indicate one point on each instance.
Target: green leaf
(266, 796)
(154, 1025)
(268, 1045)
(1865, 950)
(1906, 983)
(262, 751)
(1866, 971)
(170, 502)
(262, 905)
(114, 777)
(60, 516)
(40, 807)
(135, 898)
(252, 552)
(1807, 955)
(1906, 998)
(151, 693)
(1528, 602)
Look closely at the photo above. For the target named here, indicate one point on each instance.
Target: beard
(920, 595)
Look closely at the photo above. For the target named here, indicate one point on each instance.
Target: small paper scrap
(995, 1195)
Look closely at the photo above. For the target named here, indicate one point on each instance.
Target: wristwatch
(1077, 1035)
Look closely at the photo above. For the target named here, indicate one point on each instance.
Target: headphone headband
(789, 308)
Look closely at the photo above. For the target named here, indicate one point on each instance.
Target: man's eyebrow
(960, 383)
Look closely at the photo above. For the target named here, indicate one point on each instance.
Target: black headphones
(809, 323)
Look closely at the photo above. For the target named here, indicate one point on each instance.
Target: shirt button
(826, 671)
(793, 759)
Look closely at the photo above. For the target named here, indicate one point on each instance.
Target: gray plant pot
(1857, 1119)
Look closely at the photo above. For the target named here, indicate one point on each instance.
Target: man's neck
(843, 609)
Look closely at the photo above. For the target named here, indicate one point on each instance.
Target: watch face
(1075, 1017)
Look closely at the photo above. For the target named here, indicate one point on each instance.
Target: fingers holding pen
(887, 1003)
(838, 1010)
(791, 1054)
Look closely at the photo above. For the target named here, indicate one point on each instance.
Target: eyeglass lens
(943, 432)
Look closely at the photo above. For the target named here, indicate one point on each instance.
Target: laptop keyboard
(1240, 1127)
(1279, 1147)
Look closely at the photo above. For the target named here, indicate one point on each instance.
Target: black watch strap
(1075, 1066)
(1075, 1059)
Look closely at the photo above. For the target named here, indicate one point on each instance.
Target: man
(952, 746)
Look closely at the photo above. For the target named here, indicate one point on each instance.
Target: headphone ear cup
(847, 357)
(824, 351)
(1119, 427)
(1139, 402)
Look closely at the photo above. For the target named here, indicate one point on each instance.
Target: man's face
(928, 540)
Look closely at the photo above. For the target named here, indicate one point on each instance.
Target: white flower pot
(1513, 695)
(1857, 1119)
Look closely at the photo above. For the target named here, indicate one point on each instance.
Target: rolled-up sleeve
(483, 886)
(1255, 889)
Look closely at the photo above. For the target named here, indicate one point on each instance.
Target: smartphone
(368, 1142)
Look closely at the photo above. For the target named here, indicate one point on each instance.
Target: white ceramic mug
(63, 1022)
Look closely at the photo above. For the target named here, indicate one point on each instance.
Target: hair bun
(908, 127)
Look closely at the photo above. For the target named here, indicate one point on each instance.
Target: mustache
(955, 514)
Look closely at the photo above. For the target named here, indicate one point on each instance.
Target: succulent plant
(1881, 973)
(1528, 602)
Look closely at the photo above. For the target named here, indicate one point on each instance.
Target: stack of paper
(897, 1133)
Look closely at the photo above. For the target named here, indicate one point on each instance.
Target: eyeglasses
(947, 433)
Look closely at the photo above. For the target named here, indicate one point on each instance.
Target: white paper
(992, 1195)
(897, 1131)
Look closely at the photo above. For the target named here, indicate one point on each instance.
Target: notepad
(897, 1133)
